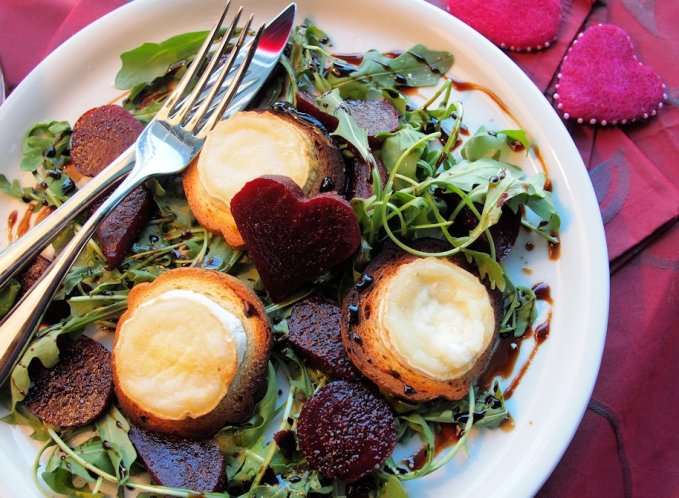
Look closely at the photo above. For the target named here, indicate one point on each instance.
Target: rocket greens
(427, 188)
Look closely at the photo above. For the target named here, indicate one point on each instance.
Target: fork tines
(196, 103)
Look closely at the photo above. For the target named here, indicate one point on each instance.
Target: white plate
(549, 403)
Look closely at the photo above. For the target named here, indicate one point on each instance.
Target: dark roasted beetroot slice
(306, 103)
(30, 276)
(314, 330)
(374, 116)
(504, 232)
(180, 463)
(100, 136)
(77, 390)
(291, 239)
(32, 273)
(360, 177)
(120, 229)
(286, 442)
(346, 432)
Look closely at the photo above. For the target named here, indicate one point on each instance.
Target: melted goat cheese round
(178, 353)
(250, 145)
(437, 317)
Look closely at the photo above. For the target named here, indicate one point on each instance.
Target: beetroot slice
(57, 309)
(374, 116)
(77, 390)
(121, 227)
(360, 177)
(346, 432)
(100, 136)
(180, 463)
(293, 240)
(32, 273)
(504, 232)
(314, 330)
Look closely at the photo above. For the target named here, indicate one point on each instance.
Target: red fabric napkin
(627, 444)
(30, 29)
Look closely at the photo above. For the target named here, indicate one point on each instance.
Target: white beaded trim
(514, 48)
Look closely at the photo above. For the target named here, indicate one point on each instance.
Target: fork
(165, 147)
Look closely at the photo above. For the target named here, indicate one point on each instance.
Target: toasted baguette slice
(237, 404)
(364, 336)
(318, 152)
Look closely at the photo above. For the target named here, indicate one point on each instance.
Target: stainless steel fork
(165, 147)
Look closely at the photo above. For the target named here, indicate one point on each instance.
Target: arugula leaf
(148, 112)
(347, 128)
(113, 429)
(41, 136)
(488, 267)
(246, 434)
(8, 296)
(46, 351)
(172, 203)
(91, 451)
(392, 488)
(416, 67)
(393, 148)
(520, 309)
(21, 416)
(149, 61)
(15, 189)
(61, 481)
(491, 144)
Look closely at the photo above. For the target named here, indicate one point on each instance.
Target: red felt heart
(291, 239)
(520, 25)
(602, 81)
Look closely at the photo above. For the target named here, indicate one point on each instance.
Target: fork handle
(18, 326)
(27, 247)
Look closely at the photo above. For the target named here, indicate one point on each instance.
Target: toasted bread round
(245, 379)
(364, 336)
(326, 167)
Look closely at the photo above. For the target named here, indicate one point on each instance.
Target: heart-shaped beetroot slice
(291, 239)
(601, 80)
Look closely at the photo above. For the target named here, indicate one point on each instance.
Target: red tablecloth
(626, 444)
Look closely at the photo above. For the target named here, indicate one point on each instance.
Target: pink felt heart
(520, 25)
(602, 81)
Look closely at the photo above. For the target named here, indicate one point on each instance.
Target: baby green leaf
(149, 61)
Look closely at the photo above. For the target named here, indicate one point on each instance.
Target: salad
(423, 181)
